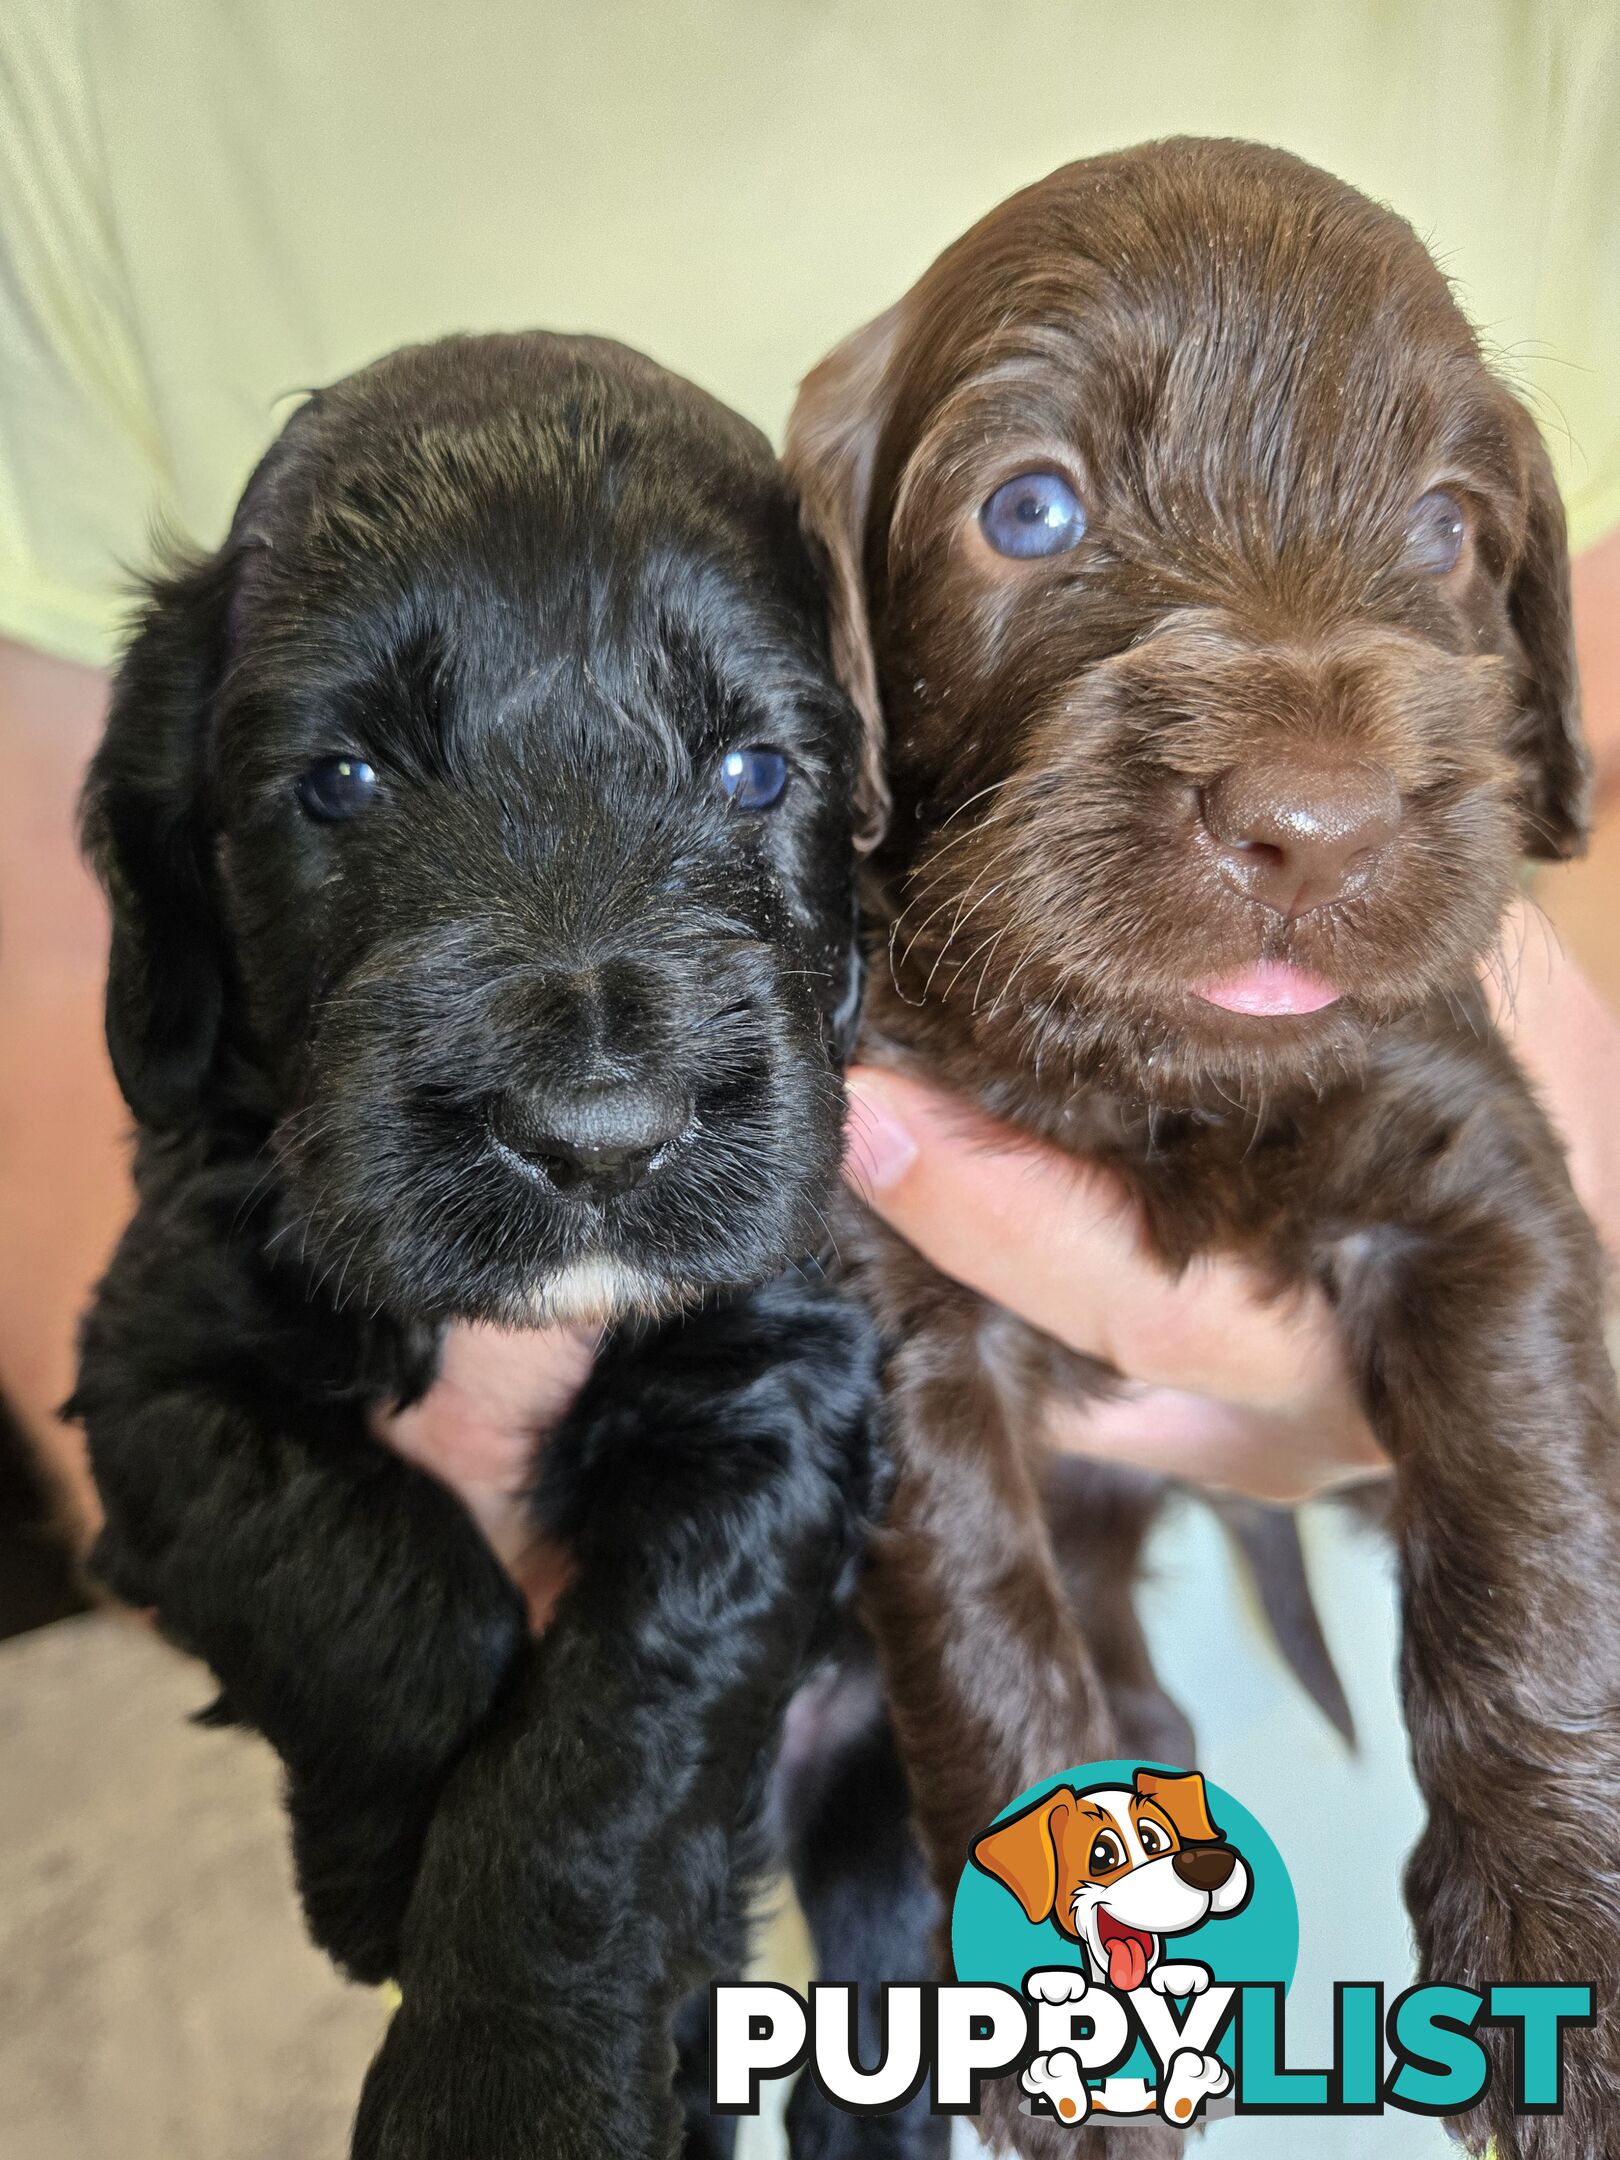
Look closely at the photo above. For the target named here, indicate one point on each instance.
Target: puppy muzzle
(486, 1136)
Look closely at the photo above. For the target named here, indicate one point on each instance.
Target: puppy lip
(1270, 990)
(1127, 1950)
(1111, 1930)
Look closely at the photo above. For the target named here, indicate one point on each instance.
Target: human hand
(1568, 1042)
(480, 1428)
(1228, 1386)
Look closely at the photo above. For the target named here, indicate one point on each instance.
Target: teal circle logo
(1121, 1871)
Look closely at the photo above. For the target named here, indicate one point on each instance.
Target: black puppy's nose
(1205, 1867)
(594, 1143)
(1297, 836)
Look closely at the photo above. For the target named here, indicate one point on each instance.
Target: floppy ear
(1183, 1799)
(832, 441)
(1022, 1853)
(1547, 739)
(142, 826)
(845, 1022)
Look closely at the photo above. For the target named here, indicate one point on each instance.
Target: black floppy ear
(1555, 795)
(143, 827)
(844, 1023)
(832, 441)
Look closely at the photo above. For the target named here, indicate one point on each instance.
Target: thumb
(1045, 1235)
(1060, 1242)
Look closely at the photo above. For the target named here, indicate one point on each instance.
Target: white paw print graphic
(1056, 2077)
(1191, 2080)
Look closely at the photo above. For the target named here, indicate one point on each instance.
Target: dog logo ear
(1021, 1853)
(142, 826)
(832, 440)
(1183, 1799)
(1555, 794)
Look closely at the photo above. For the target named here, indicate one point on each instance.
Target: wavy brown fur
(1251, 374)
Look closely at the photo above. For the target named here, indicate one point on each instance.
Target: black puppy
(477, 827)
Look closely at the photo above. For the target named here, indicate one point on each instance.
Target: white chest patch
(591, 1293)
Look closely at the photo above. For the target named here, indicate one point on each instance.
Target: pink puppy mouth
(1129, 1952)
(1269, 991)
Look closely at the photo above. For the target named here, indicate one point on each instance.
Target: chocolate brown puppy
(1213, 597)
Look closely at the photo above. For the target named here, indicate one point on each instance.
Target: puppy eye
(1435, 532)
(754, 778)
(1036, 514)
(337, 788)
(1153, 1839)
(1106, 1853)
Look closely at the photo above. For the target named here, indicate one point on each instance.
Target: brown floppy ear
(1022, 1853)
(1547, 741)
(1184, 1800)
(832, 441)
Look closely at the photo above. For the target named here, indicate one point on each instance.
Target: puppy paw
(1057, 2078)
(1006, 2126)
(355, 1859)
(1191, 2079)
(1057, 1984)
(1187, 1979)
(483, 2085)
(1469, 1931)
(817, 2130)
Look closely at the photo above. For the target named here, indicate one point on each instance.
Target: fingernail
(877, 1147)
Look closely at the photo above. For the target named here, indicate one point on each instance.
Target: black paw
(356, 1861)
(817, 2130)
(708, 2137)
(478, 2084)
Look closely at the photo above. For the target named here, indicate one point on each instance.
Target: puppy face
(478, 822)
(1117, 1868)
(1215, 598)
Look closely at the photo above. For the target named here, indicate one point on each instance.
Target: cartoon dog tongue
(1127, 1953)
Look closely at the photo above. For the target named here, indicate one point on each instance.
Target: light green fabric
(204, 208)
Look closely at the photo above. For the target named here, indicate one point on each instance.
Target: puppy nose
(595, 1143)
(1296, 836)
(1205, 1867)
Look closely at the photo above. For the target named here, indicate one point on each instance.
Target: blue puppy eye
(754, 779)
(337, 788)
(1036, 514)
(1435, 531)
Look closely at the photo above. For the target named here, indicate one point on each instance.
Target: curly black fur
(541, 589)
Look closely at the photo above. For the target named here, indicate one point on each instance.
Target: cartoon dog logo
(1118, 1869)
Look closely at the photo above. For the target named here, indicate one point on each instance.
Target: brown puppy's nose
(1297, 836)
(1205, 1867)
